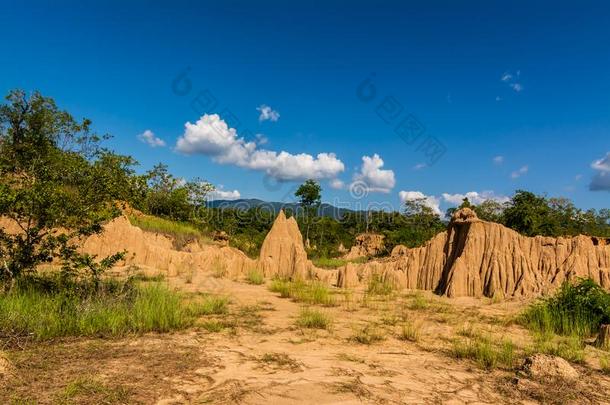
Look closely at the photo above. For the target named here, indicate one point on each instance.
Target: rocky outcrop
(478, 258)
(542, 366)
(366, 245)
(154, 252)
(283, 253)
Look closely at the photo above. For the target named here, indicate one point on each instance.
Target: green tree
(310, 197)
(56, 186)
(529, 214)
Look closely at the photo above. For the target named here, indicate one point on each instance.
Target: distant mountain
(327, 210)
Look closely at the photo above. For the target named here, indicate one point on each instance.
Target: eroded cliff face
(366, 244)
(155, 252)
(478, 258)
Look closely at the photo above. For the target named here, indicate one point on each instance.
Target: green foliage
(378, 286)
(484, 352)
(45, 308)
(181, 232)
(313, 292)
(368, 334)
(255, 277)
(577, 309)
(570, 348)
(53, 174)
(309, 194)
(313, 319)
(410, 332)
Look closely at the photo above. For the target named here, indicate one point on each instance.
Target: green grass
(378, 286)
(209, 305)
(181, 232)
(410, 332)
(576, 310)
(483, 352)
(418, 302)
(368, 334)
(604, 364)
(334, 262)
(42, 312)
(308, 292)
(570, 348)
(255, 277)
(313, 319)
(87, 388)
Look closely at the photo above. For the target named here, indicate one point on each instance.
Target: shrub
(313, 319)
(577, 309)
(570, 348)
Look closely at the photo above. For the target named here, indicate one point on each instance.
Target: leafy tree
(56, 185)
(528, 214)
(310, 197)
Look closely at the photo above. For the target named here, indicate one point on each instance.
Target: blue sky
(517, 94)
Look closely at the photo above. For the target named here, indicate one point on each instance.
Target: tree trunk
(603, 338)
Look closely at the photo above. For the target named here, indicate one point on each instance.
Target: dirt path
(263, 358)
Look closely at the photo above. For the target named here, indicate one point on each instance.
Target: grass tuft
(410, 332)
(310, 293)
(182, 233)
(368, 334)
(484, 353)
(255, 277)
(576, 310)
(43, 309)
(378, 286)
(313, 319)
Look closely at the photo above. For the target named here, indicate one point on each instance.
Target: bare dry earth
(261, 357)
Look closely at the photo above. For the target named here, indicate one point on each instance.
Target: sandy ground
(261, 357)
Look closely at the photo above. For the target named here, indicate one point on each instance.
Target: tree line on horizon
(58, 184)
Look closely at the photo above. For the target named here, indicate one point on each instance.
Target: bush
(45, 308)
(577, 309)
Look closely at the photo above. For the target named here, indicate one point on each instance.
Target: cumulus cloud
(474, 197)
(211, 136)
(498, 160)
(149, 138)
(429, 200)
(267, 113)
(601, 179)
(518, 173)
(373, 176)
(506, 77)
(512, 81)
(224, 195)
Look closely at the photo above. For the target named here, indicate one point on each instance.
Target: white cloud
(474, 197)
(149, 138)
(267, 113)
(211, 136)
(517, 87)
(372, 174)
(506, 77)
(337, 184)
(518, 173)
(224, 195)
(601, 179)
(498, 98)
(498, 160)
(420, 166)
(429, 200)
